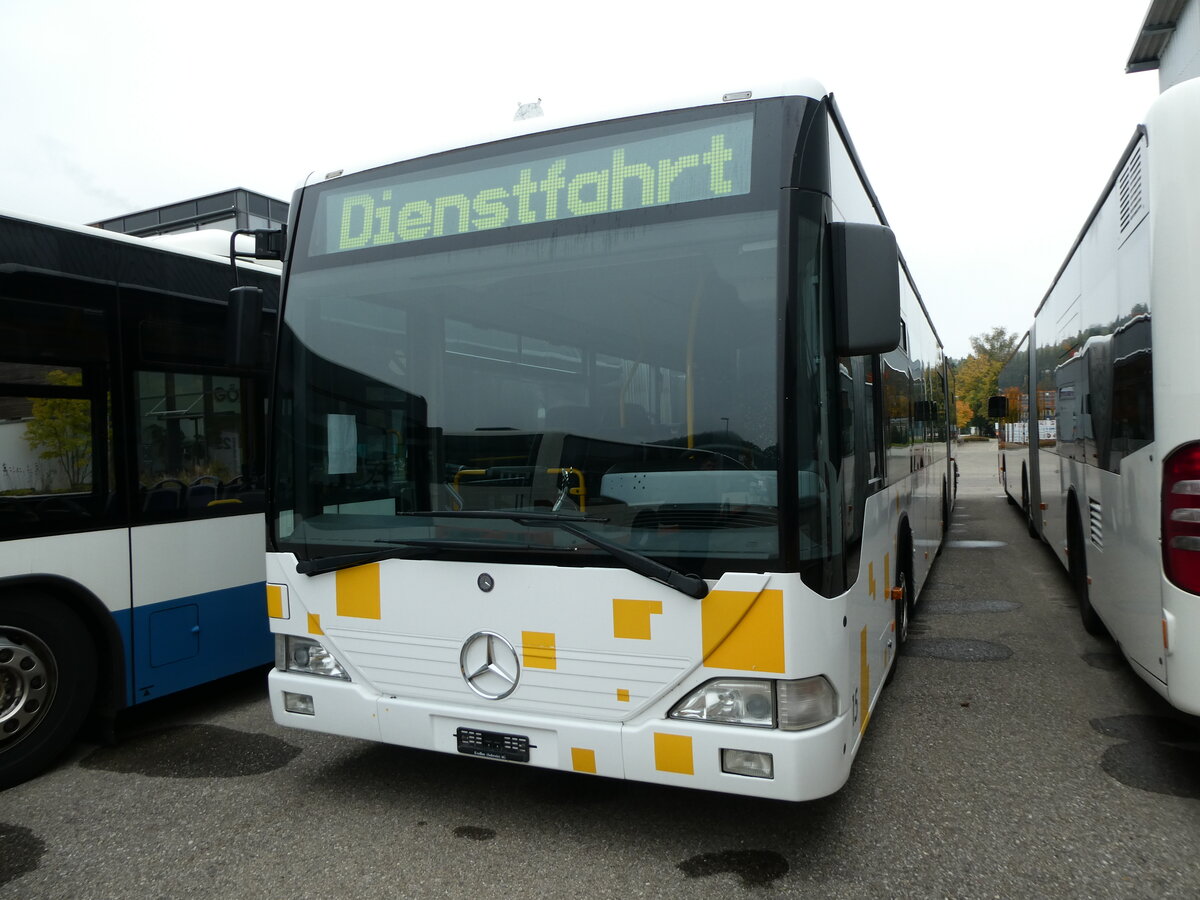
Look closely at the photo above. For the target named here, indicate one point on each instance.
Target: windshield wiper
(401, 549)
(691, 585)
(324, 564)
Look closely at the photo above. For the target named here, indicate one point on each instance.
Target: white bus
(616, 448)
(1106, 378)
(131, 481)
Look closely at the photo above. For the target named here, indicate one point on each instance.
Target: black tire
(1026, 506)
(1077, 570)
(945, 519)
(902, 610)
(47, 682)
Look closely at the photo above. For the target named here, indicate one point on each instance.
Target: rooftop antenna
(528, 110)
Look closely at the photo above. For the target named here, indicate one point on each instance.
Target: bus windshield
(626, 376)
(585, 324)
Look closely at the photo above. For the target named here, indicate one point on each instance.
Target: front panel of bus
(524, 387)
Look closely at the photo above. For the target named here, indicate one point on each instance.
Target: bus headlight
(731, 701)
(790, 705)
(301, 654)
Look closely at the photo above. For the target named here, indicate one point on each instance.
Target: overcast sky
(987, 128)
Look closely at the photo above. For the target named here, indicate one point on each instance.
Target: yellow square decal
(631, 618)
(538, 651)
(277, 601)
(583, 760)
(358, 592)
(314, 624)
(673, 753)
(623, 695)
(743, 630)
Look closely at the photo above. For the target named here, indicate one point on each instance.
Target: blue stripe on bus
(184, 642)
(123, 620)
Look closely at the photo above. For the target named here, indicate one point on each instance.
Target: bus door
(197, 544)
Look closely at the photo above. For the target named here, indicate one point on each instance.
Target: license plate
(493, 745)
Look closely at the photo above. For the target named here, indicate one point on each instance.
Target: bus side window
(862, 432)
(873, 422)
(192, 441)
(56, 470)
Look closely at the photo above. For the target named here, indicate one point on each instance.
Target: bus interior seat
(200, 495)
(162, 499)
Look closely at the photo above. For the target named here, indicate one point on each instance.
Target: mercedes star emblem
(490, 665)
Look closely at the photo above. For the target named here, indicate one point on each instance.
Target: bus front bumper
(761, 762)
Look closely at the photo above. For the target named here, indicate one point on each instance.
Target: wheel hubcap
(26, 683)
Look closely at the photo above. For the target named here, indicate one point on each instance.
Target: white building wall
(1181, 58)
(20, 468)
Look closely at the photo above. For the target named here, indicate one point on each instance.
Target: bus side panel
(96, 560)
(1174, 125)
(1174, 129)
(1124, 557)
(1037, 414)
(1181, 614)
(1055, 331)
(187, 641)
(220, 625)
(928, 460)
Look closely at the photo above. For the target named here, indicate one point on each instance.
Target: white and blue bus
(131, 480)
(1103, 403)
(620, 448)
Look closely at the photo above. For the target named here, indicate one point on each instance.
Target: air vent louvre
(1132, 192)
(1096, 514)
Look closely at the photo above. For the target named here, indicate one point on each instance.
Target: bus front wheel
(47, 681)
(902, 607)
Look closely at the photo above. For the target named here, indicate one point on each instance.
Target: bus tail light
(1181, 518)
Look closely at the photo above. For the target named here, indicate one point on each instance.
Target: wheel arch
(100, 623)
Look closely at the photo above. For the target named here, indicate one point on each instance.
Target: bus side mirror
(243, 327)
(997, 407)
(270, 243)
(866, 288)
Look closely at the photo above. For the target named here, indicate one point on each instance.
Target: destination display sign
(657, 168)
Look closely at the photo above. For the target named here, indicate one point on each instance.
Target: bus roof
(207, 244)
(539, 120)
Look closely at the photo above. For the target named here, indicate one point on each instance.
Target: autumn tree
(977, 377)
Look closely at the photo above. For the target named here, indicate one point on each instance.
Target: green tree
(997, 344)
(61, 430)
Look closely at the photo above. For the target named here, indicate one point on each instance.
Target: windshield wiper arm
(692, 585)
(324, 564)
(689, 585)
(401, 549)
